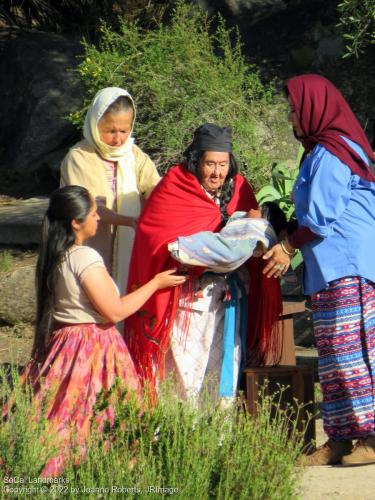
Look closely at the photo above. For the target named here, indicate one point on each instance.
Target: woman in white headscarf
(118, 174)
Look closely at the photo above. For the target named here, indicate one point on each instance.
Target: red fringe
(265, 337)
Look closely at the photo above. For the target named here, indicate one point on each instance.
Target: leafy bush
(182, 75)
(357, 20)
(175, 448)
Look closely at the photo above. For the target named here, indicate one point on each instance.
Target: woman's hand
(278, 262)
(168, 279)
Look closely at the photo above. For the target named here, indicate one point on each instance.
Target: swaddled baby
(246, 234)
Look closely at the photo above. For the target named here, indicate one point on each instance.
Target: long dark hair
(57, 236)
(193, 158)
(275, 216)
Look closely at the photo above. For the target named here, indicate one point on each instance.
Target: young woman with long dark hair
(78, 352)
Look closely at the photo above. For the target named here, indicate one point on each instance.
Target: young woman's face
(213, 169)
(114, 129)
(86, 229)
(296, 125)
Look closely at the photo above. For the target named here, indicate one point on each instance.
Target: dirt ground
(336, 482)
(15, 344)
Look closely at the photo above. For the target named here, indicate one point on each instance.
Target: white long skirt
(194, 359)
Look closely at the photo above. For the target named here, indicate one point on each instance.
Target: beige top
(83, 166)
(72, 304)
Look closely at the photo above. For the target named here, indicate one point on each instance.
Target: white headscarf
(101, 102)
(128, 197)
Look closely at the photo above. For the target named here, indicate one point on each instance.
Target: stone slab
(20, 220)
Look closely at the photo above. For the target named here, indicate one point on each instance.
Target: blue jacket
(339, 207)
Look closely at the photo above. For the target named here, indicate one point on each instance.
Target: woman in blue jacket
(334, 197)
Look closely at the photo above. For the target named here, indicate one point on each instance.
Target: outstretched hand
(169, 279)
(278, 262)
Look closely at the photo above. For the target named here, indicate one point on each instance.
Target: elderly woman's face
(213, 169)
(114, 129)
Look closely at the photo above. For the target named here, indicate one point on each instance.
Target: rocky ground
(16, 339)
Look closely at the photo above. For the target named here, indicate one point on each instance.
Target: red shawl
(178, 206)
(325, 116)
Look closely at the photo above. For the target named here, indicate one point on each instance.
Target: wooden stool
(288, 354)
(299, 385)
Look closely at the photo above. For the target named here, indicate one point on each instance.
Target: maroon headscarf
(325, 116)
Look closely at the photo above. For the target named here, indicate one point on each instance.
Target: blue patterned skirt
(344, 328)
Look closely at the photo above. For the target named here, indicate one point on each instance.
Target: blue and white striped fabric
(344, 328)
(227, 250)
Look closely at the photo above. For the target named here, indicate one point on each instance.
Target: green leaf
(280, 175)
(290, 212)
(267, 193)
(297, 260)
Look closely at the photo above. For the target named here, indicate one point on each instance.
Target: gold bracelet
(283, 248)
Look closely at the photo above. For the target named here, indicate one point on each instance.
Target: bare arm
(103, 295)
(111, 217)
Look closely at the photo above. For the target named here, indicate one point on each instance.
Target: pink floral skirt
(83, 360)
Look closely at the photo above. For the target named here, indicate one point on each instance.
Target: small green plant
(5, 261)
(280, 191)
(25, 434)
(281, 185)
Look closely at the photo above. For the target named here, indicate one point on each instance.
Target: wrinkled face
(114, 129)
(296, 126)
(89, 226)
(213, 169)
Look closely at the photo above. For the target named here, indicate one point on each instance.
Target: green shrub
(357, 21)
(182, 75)
(25, 444)
(199, 451)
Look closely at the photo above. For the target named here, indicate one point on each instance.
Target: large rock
(259, 9)
(17, 295)
(37, 92)
(20, 220)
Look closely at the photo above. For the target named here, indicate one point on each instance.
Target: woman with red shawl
(202, 330)
(334, 196)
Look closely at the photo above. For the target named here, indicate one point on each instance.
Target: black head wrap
(210, 137)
